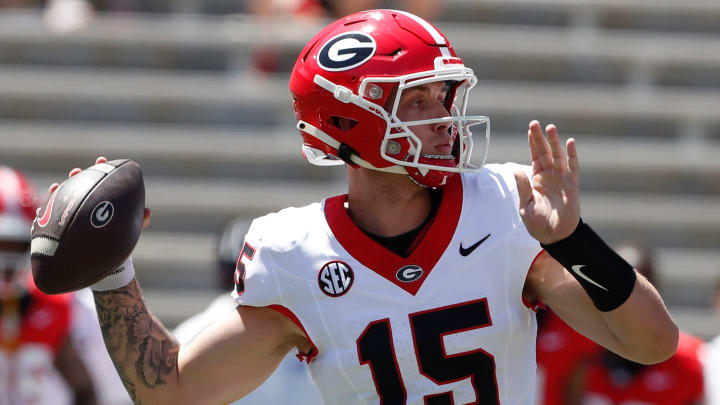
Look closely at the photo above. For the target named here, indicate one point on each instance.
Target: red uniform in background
(677, 381)
(559, 349)
(33, 329)
(38, 363)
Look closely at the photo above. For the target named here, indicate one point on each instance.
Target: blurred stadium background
(175, 86)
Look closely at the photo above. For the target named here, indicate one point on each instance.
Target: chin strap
(353, 157)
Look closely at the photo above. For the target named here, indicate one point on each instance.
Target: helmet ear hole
(342, 123)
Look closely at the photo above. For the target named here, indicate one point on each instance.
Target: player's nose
(439, 111)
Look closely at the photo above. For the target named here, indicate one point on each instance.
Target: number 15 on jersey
(375, 348)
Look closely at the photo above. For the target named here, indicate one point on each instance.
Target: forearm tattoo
(144, 353)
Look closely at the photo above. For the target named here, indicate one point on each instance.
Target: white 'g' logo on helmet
(346, 51)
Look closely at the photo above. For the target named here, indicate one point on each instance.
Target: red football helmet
(17, 211)
(355, 71)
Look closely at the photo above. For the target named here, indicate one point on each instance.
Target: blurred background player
(291, 381)
(559, 350)
(36, 351)
(712, 357)
(608, 379)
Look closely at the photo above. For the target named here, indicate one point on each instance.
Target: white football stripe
(43, 246)
(430, 29)
(103, 167)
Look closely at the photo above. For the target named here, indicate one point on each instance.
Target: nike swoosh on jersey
(468, 250)
(576, 269)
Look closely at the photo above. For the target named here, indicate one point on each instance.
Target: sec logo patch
(335, 278)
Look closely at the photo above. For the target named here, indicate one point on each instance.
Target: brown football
(88, 226)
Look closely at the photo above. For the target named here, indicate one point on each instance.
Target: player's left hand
(550, 207)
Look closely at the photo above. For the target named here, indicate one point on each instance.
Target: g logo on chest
(335, 278)
(410, 273)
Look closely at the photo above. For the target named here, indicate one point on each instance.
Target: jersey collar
(383, 261)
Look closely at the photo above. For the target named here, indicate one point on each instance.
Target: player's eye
(416, 102)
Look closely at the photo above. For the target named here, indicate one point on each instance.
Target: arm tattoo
(144, 353)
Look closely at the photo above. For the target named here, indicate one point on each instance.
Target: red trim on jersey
(380, 259)
(537, 304)
(308, 357)
(421, 235)
(447, 395)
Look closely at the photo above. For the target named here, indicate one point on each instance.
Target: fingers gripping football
(89, 225)
(550, 206)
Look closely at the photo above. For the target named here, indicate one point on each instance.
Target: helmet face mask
(386, 53)
(417, 163)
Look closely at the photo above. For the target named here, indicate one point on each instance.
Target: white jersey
(446, 325)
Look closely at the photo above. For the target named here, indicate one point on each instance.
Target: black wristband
(606, 277)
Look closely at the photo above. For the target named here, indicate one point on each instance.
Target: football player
(559, 351)
(36, 352)
(417, 286)
(613, 380)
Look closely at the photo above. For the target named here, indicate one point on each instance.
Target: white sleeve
(507, 171)
(255, 282)
(520, 239)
